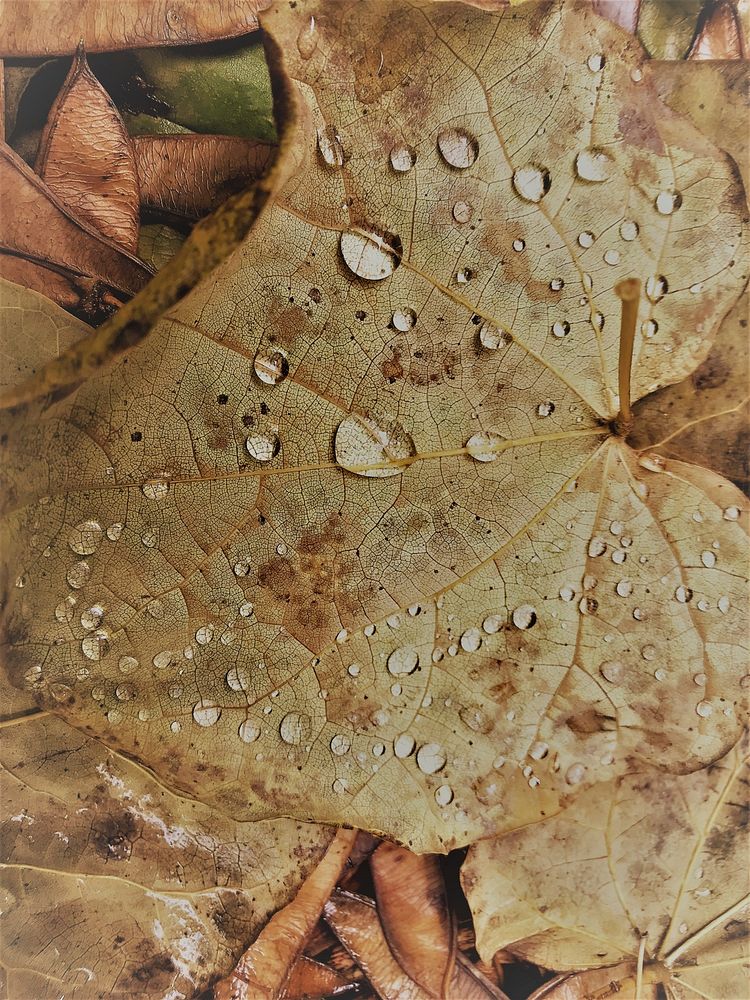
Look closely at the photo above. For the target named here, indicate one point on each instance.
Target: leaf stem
(639, 969)
(629, 293)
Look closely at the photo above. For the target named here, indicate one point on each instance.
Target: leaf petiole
(629, 293)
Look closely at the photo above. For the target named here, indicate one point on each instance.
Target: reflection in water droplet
(78, 574)
(462, 211)
(629, 230)
(667, 202)
(532, 182)
(731, 514)
(329, 146)
(404, 660)
(96, 645)
(84, 539)
(206, 713)
(403, 158)
(294, 728)
(444, 795)
(485, 446)
(248, 731)
(370, 256)
(493, 337)
(371, 446)
(594, 165)
(458, 147)
(271, 367)
(403, 745)
(431, 758)
(586, 239)
(524, 617)
(307, 39)
(404, 319)
(155, 489)
(262, 447)
(656, 287)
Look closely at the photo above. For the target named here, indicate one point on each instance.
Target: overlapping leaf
(358, 496)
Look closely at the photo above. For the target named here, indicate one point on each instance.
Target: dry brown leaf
(55, 27)
(309, 979)
(189, 175)
(115, 887)
(720, 33)
(35, 225)
(88, 299)
(649, 863)
(264, 969)
(381, 626)
(86, 157)
(32, 330)
(414, 912)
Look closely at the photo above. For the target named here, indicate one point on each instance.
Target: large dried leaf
(113, 886)
(55, 27)
(158, 244)
(385, 547)
(647, 858)
(86, 157)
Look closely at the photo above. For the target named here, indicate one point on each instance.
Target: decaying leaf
(719, 34)
(87, 160)
(55, 27)
(651, 871)
(376, 515)
(87, 298)
(312, 979)
(158, 244)
(189, 175)
(114, 886)
(32, 330)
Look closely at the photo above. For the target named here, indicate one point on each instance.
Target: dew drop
(340, 785)
(596, 62)
(464, 275)
(731, 514)
(242, 566)
(175, 727)
(704, 709)
(238, 678)
(114, 531)
(471, 640)
(597, 546)
(155, 489)
(538, 751)
(404, 660)
(443, 795)
(92, 617)
(368, 255)
(371, 446)
(545, 409)
(557, 284)
(248, 731)
(649, 328)
(629, 230)
(96, 645)
(575, 774)
(204, 635)
(667, 202)
(403, 745)
(657, 287)
(127, 664)
(78, 574)
(567, 593)
(125, 692)
(560, 329)
(431, 758)
(492, 624)
(330, 147)
(294, 728)
(652, 462)
(271, 367)
(493, 337)
(612, 257)
(462, 212)
(485, 446)
(624, 588)
(532, 182)
(724, 604)
(307, 39)
(524, 616)
(594, 165)
(84, 539)
(65, 609)
(246, 609)
(340, 745)
(163, 659)
(586, 239)
(404, 319)
(648, 652)
(206, 713)
(175, 691)
(457, 147)
(683, 594)
(519, 245)
(402, 159)
(149, 539)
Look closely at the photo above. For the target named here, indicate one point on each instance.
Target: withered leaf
(55, 27)
(367, 472)
(86, 157)
(189, 175)
(158, 244)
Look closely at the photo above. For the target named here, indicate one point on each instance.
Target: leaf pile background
(350, 535)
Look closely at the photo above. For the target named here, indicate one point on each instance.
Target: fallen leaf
(55, 27)
(649, 857)
(114, 886)
(86, 298)
(35, 225)
(309, 978)
(158, 244)
(414, 912)
(264, 968)
(87, 160)
(190, 175)
(14, 80)
(143, 124)
(421, 585)
(719, 35)
(32, 330)
(226, 91)
(667, 30)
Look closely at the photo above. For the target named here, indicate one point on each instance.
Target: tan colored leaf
(158, 244)
(309, 979)
(32, 330)
(647, 858)
(55, 27)
(34, 224)
(414, 912)
(720, 34)
(189, 175)
(405, 572)
(114, 886)
(264, 969)
(86, 157)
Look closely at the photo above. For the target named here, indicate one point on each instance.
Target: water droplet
(619, 557)
(128, 664)
(457, 147)
(657, 287)
(175, 727)
(242, 566)
(596, 62)
(206, 713)
(271, 367)
(493, 337)
(114, 531)
(724, 604)
(78, 574)
(586, 239)
(667, 202)
(164, 659)
(493, 623)
(594, 165)
(648, 652)
(368, 255)
(485, 446)
(307, 39)
(403, 745)
(92, 617)
(524, 617)
(340, 785)
(704, 709)
(652, 462)
(340, 745)
(597, 547)
(545, 409)
(204, 635)
(636, 74)
(125, 692)
(246, 609)
(700, 680)
(404, 660)
(471, 640)
(560, 329)
(431, 758)
(612, 257)
(588, 605)
(567, 593)
(294, 728)
(262, 447)
(371, 446)
(238, 678)
(683, 595)
(84, 539)
(403, 158)
(519, 245)
(65, 609)
(175, 691)
(96, 645)
(575, 774)
(330, 147)
(538, 751)
(629, 230)
(404, 319)
(731, 514)
(464, 275)
(708, 558)
(248, 731)
(532, 182)
(488, 791)
(443, 795)
(624, 588)
(557, 284)
(462, 211)
(155, 489)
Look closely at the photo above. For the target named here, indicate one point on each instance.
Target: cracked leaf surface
(367, 644)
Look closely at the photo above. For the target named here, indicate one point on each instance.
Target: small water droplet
(242, 566)
(206, 713)
(471, 640)
(731, 514)
(149, 539)
(457, 147)
(567, 593)
(462, 212)
(708, 558)
(612, 257)
(96, 645)
(246, 609)
(340, 745)
(175, 727)
(404, 660)
(271, 367)
(532, 182)
(575, 774)
(84, 539)
(493, 337)
(485, 446)
(557, 284)
(443, 795)
(657, 287)
(371, 446)
(538, 751)
(624, 588)
(652, 462)
(125, 692)
(248, 731)
(262, 447)
(524, 616)
(545, 409)
(78, 574)
(493, 623)
(704, 709)
(307, 39)
(65, 610)
(560, 329)
(597, 546)
(648, 652)
(127, 664)
(238, 678)
(431, 758)
(340, 785)
(649, 328)
(92, 617)
(596, 62)
(114, 531)
(683, 594)
(724, 604)
(629, 230)
(519, 245)
(204, 635)
(464, 275)
(155, 489)
(594, 165)
(330, 147)
(404, 319)
(403, 745)
(586, 239)
(667, 202)
(402, 159)
(636, 74)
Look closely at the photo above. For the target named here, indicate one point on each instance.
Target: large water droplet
(403, 745)
(155, 489)
(307, 39)
(330, 147)
(404, 660)
(96, 645)
(238, 678)
(560, 329)
(84, 539)
(370, 256)
(78, 574)
(262, 447)
(471, 640)
(667, 202)
(248, 731)
(403, 159)
(493, 337)
(444, 795)
(271, 367)
(458, 147)
(586, 239)
(340, 745)
(371, 446)
(596, 62)
(657, 287)
(404, 319)
(532, 182)
(485, 446)
(206, 713)
(431, 758)
(462, 211)
(294, 728)
(92, 617)
(524, 617)
(629, 230)
(594, 165)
